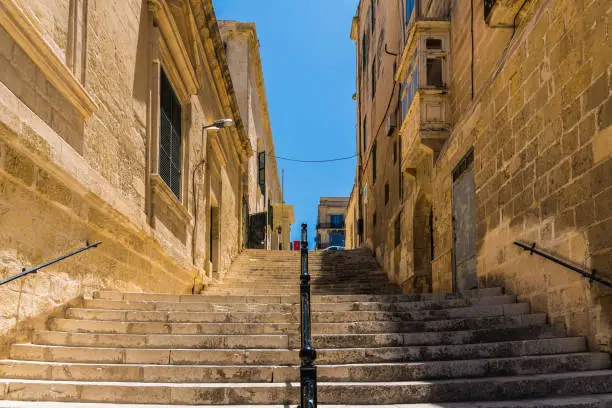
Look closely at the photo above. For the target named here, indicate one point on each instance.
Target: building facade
(330, 222)
(102, 108)
(480, 124)
(270, 218)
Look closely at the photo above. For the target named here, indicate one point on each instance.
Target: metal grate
(170, 137)
(488, 7)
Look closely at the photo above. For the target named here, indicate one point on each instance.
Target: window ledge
(20, 27)
(162, 192)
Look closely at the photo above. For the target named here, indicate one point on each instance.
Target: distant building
(330, 222)
(269, 219)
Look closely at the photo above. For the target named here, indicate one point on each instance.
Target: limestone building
(481, 124)
(269, 218)
(330, 222)
(102, 108)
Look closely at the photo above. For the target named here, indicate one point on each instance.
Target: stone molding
(180, 71)
(18, 24)
(248, 29)
(161, 190)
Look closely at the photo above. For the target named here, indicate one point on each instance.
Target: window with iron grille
(363, 134)
(374, 77)
(364, 52)
(394, 152)
(261, 171)
(398, 229)
(374, 164)
(386, 193)
(170, 136)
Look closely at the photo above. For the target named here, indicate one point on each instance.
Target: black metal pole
(35, 269)
(532, 250)
(308, 370)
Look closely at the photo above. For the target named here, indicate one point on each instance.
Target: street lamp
(219, 124)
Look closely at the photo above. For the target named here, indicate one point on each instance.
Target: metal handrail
(591, 275)
(308, 370)
(35, 269)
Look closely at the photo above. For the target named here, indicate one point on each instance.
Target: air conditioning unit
(391, 124)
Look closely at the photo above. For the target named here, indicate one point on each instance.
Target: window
(386, 193)
(400, 180)
(411, 85)
(374, 164)
(398, 229)
(364, 52)
(433, 44)
(170, 137)
(374, 219)
(373, 16)
(373, 77)
(394, 152)
(363, 135)
(336, 220)
(261, 173)
(434, 72)
(435, 61)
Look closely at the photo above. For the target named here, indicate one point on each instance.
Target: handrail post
(308, 370)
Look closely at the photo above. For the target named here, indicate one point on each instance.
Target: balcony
(330, 225)
(424, 74)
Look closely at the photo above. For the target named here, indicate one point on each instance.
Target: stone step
(421, 371)
(58, 338)
(117, 355)
(244, 281)
(99, 326)
(292, 340)
(182, 317)
(219, 306)
(459, 323)
(293, 316)
(415, 305)
(585, 401)
(250, 277)
(159, 297)
(314, 291)
(474, 389)
(487, 335)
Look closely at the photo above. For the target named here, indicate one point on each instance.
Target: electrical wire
(312, 161)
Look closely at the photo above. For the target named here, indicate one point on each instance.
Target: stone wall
(540, 128)
(67, 177)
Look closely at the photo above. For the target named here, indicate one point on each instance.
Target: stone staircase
(237, 345)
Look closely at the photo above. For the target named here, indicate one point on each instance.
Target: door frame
(469, 155)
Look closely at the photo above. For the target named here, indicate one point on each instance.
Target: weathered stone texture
(66, 178)
(543, 160)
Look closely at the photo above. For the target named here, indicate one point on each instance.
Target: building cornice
(210, 36)
(21, 27)
(172, 47)
(249, 29)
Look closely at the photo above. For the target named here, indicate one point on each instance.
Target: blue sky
(309, 70)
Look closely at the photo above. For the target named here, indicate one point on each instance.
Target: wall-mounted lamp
(219, 124)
